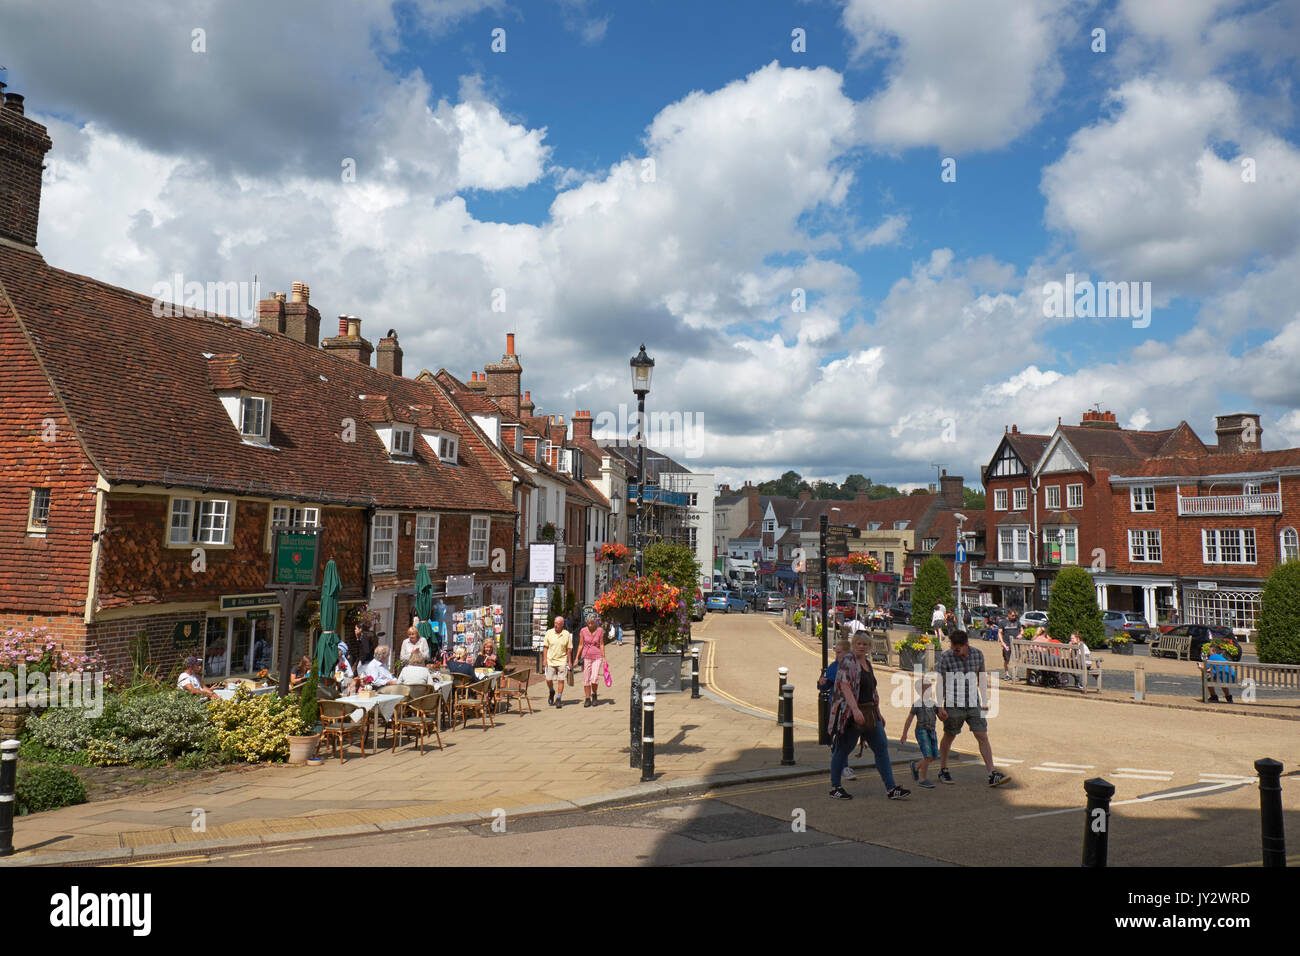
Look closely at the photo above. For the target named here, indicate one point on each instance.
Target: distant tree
(933, 586)
(881, 492)
(853, 484)
(973, 500)
(1073, 607)
(920, 491)
(1279, 616)
(787, 486)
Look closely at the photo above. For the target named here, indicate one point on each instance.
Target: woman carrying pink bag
(591, 644)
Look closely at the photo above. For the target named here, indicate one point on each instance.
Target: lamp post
(642, 370)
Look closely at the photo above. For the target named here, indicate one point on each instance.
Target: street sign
(295, 558)
(836, 548)
(961, 552)
(843, 530)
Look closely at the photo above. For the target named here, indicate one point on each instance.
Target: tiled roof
(138, 391)
(1028, 447)
(1233, 464)
(944, 527)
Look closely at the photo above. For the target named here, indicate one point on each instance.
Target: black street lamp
(643, 367)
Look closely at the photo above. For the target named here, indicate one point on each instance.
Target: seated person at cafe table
(460, 665)
(415, 672)
(377, 667)
(189, 679)
(487, 656)
(301, 671)
(414, 642)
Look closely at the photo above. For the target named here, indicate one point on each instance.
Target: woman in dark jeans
(856, 702)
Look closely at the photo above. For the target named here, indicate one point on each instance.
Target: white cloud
(962, 76)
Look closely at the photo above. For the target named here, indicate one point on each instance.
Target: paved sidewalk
(528, 763)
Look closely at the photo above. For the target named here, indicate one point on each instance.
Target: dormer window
(401, 441)
(255, 417)
(447, 447)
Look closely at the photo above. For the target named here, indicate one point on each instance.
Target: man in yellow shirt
(558, 654)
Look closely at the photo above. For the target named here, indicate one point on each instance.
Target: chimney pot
(14, 101)
(354, 327)
(343, 325)
(301, 292)
(510, 343)
(278, 296)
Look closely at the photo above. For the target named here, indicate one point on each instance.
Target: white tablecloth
(386, 703)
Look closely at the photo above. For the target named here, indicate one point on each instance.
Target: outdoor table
(227, 693)
(482, 673)
(386, 703)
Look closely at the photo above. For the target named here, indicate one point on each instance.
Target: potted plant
(547, 532)
(1121, 644)
(911, 650)
(302, 748)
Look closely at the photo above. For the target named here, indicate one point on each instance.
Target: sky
(834, 224)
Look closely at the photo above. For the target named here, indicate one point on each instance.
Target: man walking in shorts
(957, 692)
(558, 653)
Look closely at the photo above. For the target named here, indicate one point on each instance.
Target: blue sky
(776, 171)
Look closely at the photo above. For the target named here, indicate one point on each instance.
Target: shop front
(241, 636)
(1011, 590)
(1154, 597)
(1224, 602)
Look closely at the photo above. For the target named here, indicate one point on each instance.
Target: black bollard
(1270, 811)
(8, 783)
(1096, 826)
(648, 740)
(787, 725)
(782, 675)
(695, 673)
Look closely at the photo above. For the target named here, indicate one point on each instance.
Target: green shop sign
(295, 558)
(248, 600)
(187, 634)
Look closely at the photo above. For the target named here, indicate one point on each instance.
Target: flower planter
(301, 749)
(1125, 649)
(665, 670)
(907, 659)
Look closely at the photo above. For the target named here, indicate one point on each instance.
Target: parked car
(773, 601)
(1130, 623)
(697, 611)
(716, 601)
(1034, 619)
(1199, 633)
(901, 611)
(728, 601)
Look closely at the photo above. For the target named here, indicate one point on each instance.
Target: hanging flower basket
(858, 562)
(650, 599)
(613, 552)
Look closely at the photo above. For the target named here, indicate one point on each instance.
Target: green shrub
(933, 586)
(309, 706)
(163, 726)
(42, 787)
(256, 728)
(1073, 607)
(32, 752)
(1279, 616)
(61, 730)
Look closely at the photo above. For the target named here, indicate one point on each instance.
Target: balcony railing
(1265, 504)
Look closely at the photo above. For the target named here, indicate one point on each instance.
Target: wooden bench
(1221, 676)
(1180, 647)
(879, 646)
(1060, 658)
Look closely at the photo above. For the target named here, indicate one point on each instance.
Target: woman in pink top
(591, 644)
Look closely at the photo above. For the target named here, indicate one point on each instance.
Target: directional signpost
(295, 561)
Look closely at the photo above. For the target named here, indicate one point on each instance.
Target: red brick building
(148, 456)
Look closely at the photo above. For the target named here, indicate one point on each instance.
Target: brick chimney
(581, 425)
(504, 378)
(301, 320)
(950, 486)
(1094, 419)
(751, 492)
(270, 313)
(23, 145)
(388, 354)
(1239, 433)
(477, 382)
(861, 496)
(526, 407)
(348, 343)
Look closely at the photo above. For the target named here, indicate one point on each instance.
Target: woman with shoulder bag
(855, 715)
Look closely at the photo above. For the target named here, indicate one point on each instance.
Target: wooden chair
(419, 716)
(514, 686)
(460, 683)
(337, 726)
(475, 701)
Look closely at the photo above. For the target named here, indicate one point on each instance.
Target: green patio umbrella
(424, 604)
(327, 648)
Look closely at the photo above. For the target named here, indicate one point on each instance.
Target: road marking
(1008, 760)
(1226, 776)
(1072, 766)
(1141, 776)
(1147, 799)
(1056, 769)
(1139, 770)
(799, 644)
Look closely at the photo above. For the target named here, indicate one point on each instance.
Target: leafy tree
(1073, 607)
(973, 500)
(881, 492)
(1279, 616)
(920, 491)
(933, 586)
(855, 483)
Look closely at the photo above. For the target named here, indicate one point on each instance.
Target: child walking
(926, 738)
